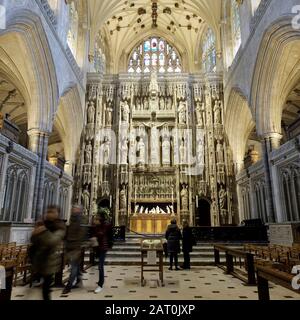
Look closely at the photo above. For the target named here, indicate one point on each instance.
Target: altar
(150, 223)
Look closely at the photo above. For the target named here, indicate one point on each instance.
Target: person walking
(173, 236)
(46, 239)
(103, 232)
(188, 241)
(73, 245)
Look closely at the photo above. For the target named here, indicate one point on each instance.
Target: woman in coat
(188, 241)
(173, 235)
(103, 232)
(46, 240)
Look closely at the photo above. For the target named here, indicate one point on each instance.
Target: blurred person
(173, 236)
(188, 241)
(73, 246)
(46, 240)
(103, 233)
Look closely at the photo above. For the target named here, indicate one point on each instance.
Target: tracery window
(209, 57)
(235, 26)
(16, 195)
(154, 54)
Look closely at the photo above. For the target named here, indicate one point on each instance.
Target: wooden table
(153, 267)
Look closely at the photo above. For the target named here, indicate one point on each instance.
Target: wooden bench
(231, 254)
(266, 274)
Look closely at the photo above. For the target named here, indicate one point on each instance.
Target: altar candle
(110, 201)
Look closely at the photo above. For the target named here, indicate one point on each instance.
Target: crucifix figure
(154, 145)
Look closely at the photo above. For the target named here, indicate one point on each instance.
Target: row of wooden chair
(282, 257)
(16, 255)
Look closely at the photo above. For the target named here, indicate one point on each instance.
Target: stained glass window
(154, 54)
(235, 26)
(209, 58)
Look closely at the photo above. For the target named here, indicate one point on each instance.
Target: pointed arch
(238, 124)
(277, 70)
(35, 65)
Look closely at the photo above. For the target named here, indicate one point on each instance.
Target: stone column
(3, 175)
(270, 142)
(38, 143)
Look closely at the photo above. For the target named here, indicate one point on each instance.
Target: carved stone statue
(88, 153)
(146, 103)
(87, 175)
(123, 200)
(169, 103)
(141, 151)
(222, 198)
(200, 150)
(199, 114)
(105, 150)
(184, 199)
(218, 112)
(132, 151)
(220, 153)
(109, 112)
(182, 112)
(124, 151)
(91, 112)
(162, 105)
(155, 153)
(86, 200)
(166, 148)
(153, 83)
(125, 111)
(138, 104)
(182, 152)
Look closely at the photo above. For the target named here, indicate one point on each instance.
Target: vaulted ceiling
(123, 23)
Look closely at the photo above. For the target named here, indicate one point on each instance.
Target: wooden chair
(22, 266)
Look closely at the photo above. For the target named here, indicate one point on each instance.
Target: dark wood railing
(266, 274)
(231, 254)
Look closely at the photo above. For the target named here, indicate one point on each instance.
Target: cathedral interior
(152, 109)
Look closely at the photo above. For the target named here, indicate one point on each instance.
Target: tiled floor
(204, 283)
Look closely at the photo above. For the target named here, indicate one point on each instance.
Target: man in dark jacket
(74, 241)
(103, 232)
(46, 239)
(188, 241)
(173, 235)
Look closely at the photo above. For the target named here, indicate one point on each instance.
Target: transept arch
(25, 34)
(276, 73)
(238, 124)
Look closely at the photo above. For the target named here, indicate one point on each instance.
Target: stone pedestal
(184, 215)
(122, 218)
(284, 233)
